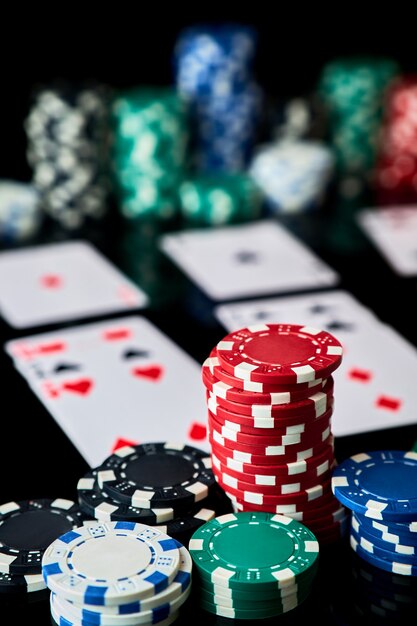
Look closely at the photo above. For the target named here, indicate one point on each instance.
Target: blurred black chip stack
(67, 131)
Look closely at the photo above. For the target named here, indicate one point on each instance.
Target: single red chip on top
(284, 353)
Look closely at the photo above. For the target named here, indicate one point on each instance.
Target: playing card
(319, 306)
(58, 282)
(374, 387)
(108, 381)
(394, 232)
(247, 260)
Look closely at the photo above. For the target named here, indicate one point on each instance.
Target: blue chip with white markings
(391, 532)
(387, 564)
(379, 542)
(111, 563)
(368, 544)
(381, 485)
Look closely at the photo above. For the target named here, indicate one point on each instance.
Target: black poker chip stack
(67, 133)
(27, 528)
(167, 485)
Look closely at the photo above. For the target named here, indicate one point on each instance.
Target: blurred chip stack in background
(213, 150)
(396, 174)
(352, 91)
(294, 169)
(293, 175)
(298, 118)
(217, 199)
(214, 75)
(20, 217)
(67, 131)
(149, 149)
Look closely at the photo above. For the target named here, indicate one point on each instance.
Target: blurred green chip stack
(353, 91)
(219, 199)
(149, 147)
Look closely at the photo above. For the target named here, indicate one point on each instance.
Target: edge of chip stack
(379, 487)
(27, 527)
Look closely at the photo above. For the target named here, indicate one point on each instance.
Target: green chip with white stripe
(242, 550)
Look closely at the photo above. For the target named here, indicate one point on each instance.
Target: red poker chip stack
(270, 403)
(396, 171)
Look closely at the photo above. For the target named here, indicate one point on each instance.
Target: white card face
(247, 260)
(375, 385)
(58, 282)
(394, 232)
(116, 380)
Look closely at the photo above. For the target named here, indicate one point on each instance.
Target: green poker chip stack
(149, 148)
(219, 199)
(253, 565)
(353, 90)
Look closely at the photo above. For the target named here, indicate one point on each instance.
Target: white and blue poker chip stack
(381, 490)
(116, 574)
(293, 174)
(67, 131)
(20, 216)
(214, 75)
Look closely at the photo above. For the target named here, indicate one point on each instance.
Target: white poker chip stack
(293, 175)
(116, 574)
(20, 216)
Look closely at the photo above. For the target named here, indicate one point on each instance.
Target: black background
(127, 48)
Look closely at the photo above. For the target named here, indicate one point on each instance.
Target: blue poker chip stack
(380, 488)
(214, 75)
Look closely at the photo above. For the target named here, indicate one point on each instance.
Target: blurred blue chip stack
(214, 75)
